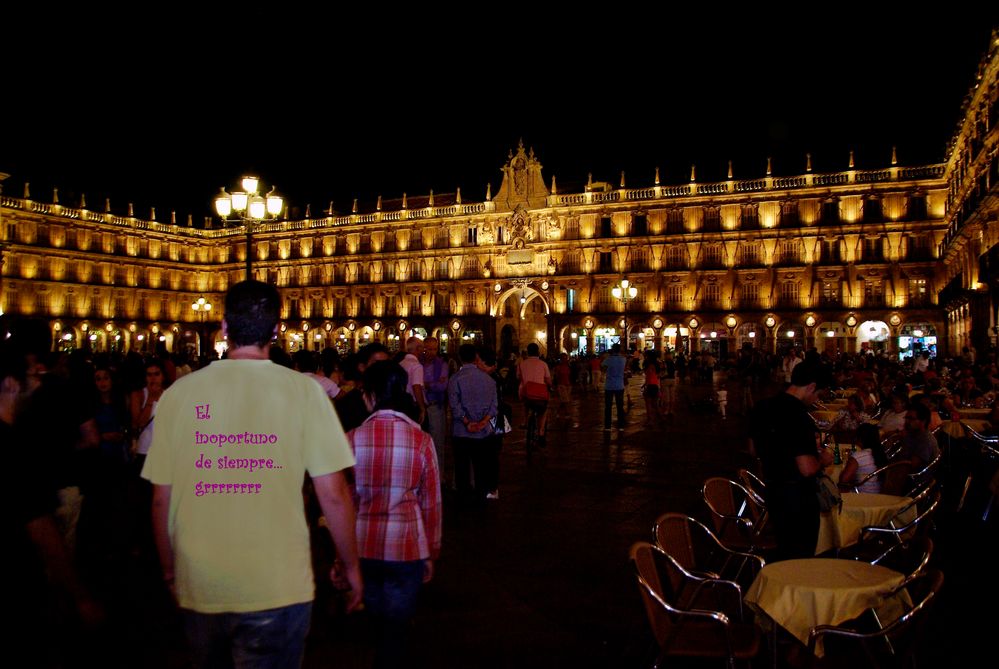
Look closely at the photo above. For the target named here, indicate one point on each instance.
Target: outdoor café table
(841, 527)
(825, 416)
(969, 412)
(955, 428)
(800, 594)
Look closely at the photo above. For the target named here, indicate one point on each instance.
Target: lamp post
(248, 207)
(625, 292)
(202, 307)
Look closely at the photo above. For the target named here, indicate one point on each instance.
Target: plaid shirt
(396, 489)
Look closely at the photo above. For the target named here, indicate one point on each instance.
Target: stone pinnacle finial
(457, 196)
(489, 192)
(693, 172)
(152, 213)
(404, 200)
(657, 176)
(173, 218)
(131, 210)
(378, 207)
(83, 201)
(55, 196)
(27, 190)
(553, 185)
(353, 209)
(730, 170)
(808, 162)
(622, 178)
(589, 181)
(330, 211)
(107, 205)
(770, 165)
(190, 220)
(851, 159)
(431, 204)
(308, 211)
(894, 156)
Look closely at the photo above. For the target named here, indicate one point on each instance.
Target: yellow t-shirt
(234, 441)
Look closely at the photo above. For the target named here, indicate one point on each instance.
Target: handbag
(828, 493)
(535, 391)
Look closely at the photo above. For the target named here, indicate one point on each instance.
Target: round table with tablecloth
(841, 527)
(800, 594)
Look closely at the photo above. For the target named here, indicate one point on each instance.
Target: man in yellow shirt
(231, 446)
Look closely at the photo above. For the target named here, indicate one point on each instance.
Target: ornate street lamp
(202, 307)
(249, 208)
(625, 292)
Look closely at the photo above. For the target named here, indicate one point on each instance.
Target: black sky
(160, 111)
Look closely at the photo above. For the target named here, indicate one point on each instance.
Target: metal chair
(733, 512)
(688, 632)
(876, 542)
(917, 479)
(895, 478)
(911, 558)
(699, 552)
(988, 452)
(894, 645)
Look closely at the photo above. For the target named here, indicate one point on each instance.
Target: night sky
(162, 111)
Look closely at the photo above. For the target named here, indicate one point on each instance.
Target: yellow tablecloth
(968, 412)
(827, 416)
(838, 529)
(956, 428)
(800, 594)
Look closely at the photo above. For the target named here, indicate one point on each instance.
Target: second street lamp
(202, 307)
(625, 292)
(249, 208)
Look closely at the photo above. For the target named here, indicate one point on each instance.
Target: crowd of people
(106, 474)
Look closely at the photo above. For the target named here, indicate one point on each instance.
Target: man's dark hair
(365, 353)
(467, 353)
(533, 350)
(251, 313)
(805, 373)
(615, 348)
(487, 356)
(922, 412)
(306, 361)
(330, 359)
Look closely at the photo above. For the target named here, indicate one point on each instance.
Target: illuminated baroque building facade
(900, 259)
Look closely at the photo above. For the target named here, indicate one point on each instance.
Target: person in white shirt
(414, 369)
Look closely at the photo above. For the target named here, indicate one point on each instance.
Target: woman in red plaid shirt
(398, 498)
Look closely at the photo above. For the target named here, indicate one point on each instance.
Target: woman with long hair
(398, 498)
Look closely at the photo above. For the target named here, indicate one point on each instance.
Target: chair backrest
(910, 558)
(673, 534)
(695, 548)
(755, 485)
(898, 640)
(647, 561)
(731, 513)
(894, 477)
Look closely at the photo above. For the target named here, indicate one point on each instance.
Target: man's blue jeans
(271, 639)
(616, 396)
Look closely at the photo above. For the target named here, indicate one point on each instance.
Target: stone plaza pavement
(540, 577)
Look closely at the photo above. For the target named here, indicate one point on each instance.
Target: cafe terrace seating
(982, 473)
(699, 631)
(876, 541)
(737, 515)
(700, 553)
(894, 645)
